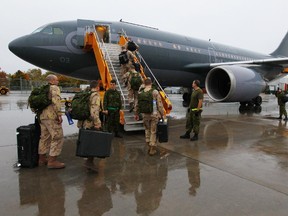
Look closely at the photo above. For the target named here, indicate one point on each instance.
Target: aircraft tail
(282, 50)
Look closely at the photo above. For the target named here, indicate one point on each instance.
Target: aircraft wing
(271, 61)
(282, 62)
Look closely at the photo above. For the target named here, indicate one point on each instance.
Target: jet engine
(234, 83)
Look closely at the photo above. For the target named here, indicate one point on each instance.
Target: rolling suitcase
(27, 144)
(162, 130)
(93, 143)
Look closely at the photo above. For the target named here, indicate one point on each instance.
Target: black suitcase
(162, 130)
(93, 143)
(27, 145)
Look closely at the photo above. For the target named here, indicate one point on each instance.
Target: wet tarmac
(239, 166)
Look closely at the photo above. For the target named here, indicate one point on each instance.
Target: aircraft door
(212, 55)
(103, 33)
(81, 30)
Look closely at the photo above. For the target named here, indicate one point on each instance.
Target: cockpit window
(49, 30)
(39, 29)
(52, 30)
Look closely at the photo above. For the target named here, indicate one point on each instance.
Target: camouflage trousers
(51, 140)
(113, 121)
(133, 96)
(282, 110)
(193, 122)
(150, 124)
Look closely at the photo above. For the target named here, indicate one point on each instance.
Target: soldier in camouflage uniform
(282, 111)
(111, 106)
(94, 120)
(131, 57)
(150, 120)
(194, 112)
(51, 140)
(132, 94)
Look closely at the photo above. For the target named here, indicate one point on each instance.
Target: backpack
(80, 108)
(137, 66)
(131, 46)
(145, 101)
(123, 58)
(39, 99)
(135, 81)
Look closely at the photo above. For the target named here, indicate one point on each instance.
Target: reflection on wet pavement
(239, 166)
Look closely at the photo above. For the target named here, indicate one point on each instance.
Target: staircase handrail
(146, 65)
(106, 54)
(162, 92)
(89, 43)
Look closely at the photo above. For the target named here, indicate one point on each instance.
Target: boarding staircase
(107, 58)
(111, 56)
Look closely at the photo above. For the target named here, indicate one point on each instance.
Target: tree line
(36, 75)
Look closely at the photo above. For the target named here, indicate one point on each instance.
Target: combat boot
(42, 160)
(185, 136)
(54, 164)
(194, 138)
(152, 150)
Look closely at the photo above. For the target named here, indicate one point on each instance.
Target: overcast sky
(257, 25)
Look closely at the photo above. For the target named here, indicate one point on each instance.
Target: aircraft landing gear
(186, 99)
(250, 107)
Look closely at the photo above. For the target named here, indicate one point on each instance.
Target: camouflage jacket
(52, 111)
(112, 99)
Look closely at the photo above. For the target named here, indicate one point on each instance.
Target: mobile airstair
(107, 58)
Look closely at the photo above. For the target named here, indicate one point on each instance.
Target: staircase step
(113, 51)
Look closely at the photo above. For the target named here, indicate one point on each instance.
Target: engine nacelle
(234, 83)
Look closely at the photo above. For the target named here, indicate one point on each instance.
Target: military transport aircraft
(229, 74)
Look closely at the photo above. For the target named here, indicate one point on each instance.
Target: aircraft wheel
(257, 109)
(3, 92)
(242, 109)
(257, 101)
(68, 104)
(185, 104)
(186, 99)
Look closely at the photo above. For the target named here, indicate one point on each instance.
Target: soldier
(123, 67)
(194, 112)
(94, 121)
(150, 114)
(282, 111)
(51, 140)
(112, 105)
(131, 56)
(134, 80)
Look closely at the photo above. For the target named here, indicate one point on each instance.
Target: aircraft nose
(17, 46)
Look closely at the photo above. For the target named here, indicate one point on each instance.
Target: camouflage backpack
(80, 108)
(39, 99)
(145, 101)
(135, 81)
